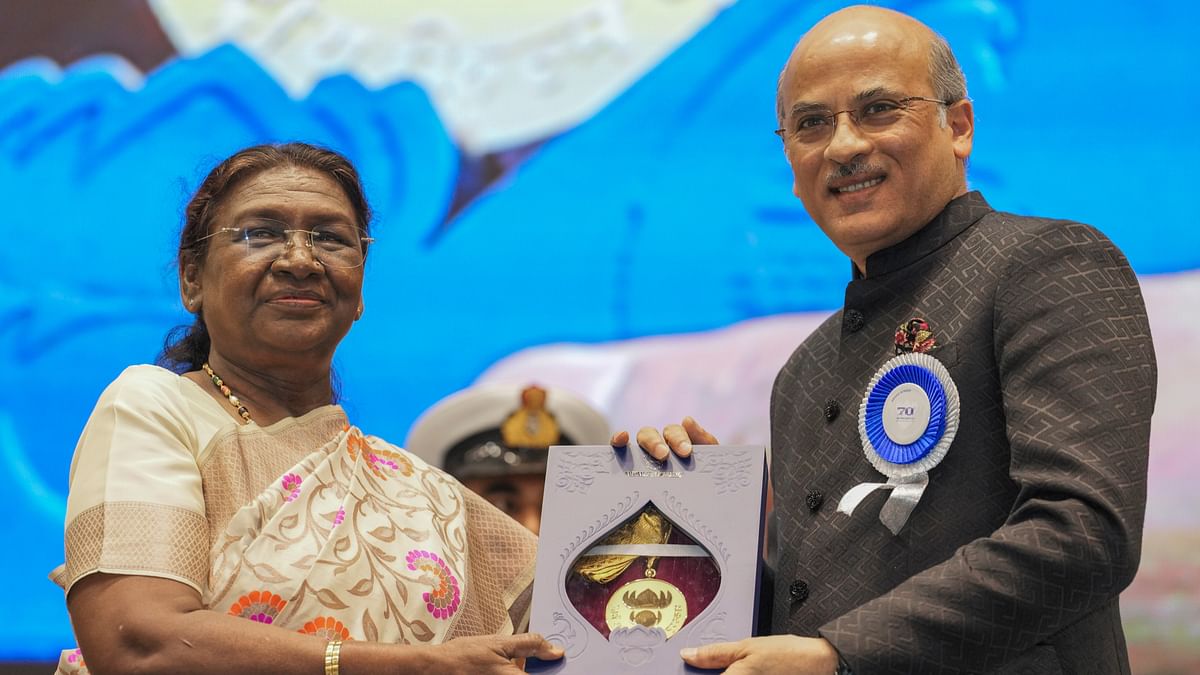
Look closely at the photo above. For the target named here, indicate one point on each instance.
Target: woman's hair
(186, 347)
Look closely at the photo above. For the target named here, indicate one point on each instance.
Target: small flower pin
(914, 337)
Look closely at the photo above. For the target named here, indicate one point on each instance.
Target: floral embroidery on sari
(327, 628)
(442, 602)
(291, 486)
(382, 462)
(70, 662)
(260, 606)
(332, 551)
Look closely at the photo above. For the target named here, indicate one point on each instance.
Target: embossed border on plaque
(574, 639)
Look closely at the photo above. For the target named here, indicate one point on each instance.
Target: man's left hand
(790, 654)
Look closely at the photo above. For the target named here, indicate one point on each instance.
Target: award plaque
(638, 558)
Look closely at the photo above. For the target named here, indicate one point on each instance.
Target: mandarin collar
(961, 213)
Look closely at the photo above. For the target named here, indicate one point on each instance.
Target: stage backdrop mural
(581, 193)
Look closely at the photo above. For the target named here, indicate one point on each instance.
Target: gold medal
(648, 602)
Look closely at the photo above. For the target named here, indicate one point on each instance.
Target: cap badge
(530, 426)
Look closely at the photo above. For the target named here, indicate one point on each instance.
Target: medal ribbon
(648, 528)
(656, 550)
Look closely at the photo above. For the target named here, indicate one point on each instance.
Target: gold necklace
(233, 400)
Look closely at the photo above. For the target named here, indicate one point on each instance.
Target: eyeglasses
(872, 117)
(266, 240)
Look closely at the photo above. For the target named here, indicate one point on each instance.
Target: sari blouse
(307, 524)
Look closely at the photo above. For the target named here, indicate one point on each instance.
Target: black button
(853, 320)
(832, 408)
(799, 591)
(814, 499)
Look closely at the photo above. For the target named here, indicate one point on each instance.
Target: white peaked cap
(485, 406)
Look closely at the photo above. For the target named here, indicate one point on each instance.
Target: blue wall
(668, 211)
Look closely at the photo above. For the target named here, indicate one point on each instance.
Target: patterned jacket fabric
(1014, 557)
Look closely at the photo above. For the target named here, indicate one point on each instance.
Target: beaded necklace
(233, 400)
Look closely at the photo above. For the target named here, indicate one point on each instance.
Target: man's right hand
(677, 438)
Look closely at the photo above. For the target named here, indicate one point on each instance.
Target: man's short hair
(949, 83)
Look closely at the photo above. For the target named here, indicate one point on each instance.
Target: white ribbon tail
(906, 492)
(899, 506)
(856, 494)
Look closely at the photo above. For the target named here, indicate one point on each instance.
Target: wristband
(333, 652)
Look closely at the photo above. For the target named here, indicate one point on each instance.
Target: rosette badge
(907, 421)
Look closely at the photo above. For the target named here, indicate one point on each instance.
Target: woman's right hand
(492, 653)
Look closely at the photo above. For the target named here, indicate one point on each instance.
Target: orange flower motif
(326, 628)
(442, 602)
(382, 462)
(354, 444)
(260, 606)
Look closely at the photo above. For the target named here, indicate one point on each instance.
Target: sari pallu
(356, 540)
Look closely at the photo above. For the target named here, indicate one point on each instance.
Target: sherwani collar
(961, 213)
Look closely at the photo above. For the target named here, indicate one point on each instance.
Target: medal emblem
(648, 602)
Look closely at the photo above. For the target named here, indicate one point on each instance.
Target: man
(493, 438)
(1004, 548)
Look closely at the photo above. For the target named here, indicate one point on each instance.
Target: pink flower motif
(339, 516)
(291, 486)
(75, 656)
(441, 602)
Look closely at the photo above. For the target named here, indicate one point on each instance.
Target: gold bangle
(333, 651)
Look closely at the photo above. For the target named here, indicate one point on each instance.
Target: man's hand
(789, 654)
(677, 438)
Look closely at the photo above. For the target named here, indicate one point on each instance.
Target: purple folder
(714, 502)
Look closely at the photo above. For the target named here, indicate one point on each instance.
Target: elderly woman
(225, 516)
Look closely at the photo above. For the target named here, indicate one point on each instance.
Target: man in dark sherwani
(1028, 526)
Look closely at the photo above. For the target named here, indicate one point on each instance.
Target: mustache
(851, 170)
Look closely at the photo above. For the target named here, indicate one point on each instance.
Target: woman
(208, 504)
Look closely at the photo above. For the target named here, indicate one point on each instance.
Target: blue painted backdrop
(668, 211)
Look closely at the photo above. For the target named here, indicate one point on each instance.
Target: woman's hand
(677, 438)
(492, 653)
(131, 624)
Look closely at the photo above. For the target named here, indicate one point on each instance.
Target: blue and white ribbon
(907, 421)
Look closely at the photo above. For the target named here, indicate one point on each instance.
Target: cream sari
(355, 539)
